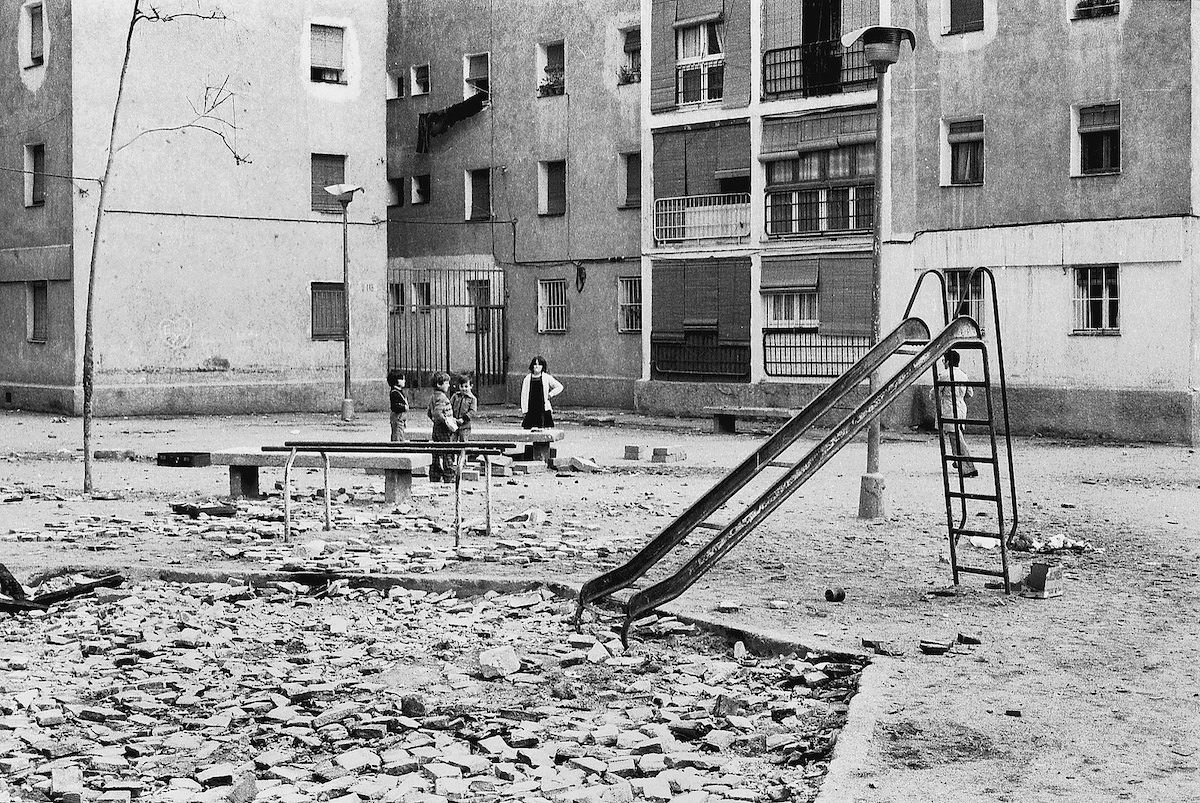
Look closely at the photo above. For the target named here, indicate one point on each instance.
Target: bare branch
(205, 118)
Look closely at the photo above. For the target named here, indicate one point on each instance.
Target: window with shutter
(35, 177)
(631, 70)
(479, 194)
(36, 45)
(327, 59)
(633, 179)
(552, 63)
(328, 311)
(327, 169)
(552, 188)
(37, 311)
(965, 16)
(965, 140)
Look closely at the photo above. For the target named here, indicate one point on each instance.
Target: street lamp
(344, 193)
(881, 45)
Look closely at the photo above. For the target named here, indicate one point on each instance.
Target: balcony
(816, 68)
(820, 210)
(702, 217)
(803, 351)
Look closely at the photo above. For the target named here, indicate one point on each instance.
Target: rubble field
(286, 692)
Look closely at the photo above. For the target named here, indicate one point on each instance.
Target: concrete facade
(591, 125)
(206, 260)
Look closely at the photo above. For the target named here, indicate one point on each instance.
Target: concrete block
(636, 452)
(528, 467)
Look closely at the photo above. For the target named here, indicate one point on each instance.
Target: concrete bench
(245, 462)
(725, 418)
(538, 442)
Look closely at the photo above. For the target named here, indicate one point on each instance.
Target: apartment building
(758, 229)
(219, 269)
(514, 159)
(1054, 142)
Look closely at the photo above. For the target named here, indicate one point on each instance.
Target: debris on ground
(221, 691)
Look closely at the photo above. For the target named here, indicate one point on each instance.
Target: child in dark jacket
(463, 404)
(444, 425)
(399, 405)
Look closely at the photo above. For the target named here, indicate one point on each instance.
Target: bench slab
(725, 418)
(245, 462)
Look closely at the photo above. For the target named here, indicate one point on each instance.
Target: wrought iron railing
(816, 68)
(699, 356)
(700, 81)
(804, 351)
(702, 217)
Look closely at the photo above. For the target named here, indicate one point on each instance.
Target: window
(35, 15)
(552, 188)
(957, 290)
(1100, 139)
(631, 71)
(395, 297)
(420, 79)
(395, 86)
(328, 311)
(421, 190)
(422, 297)
(479, 194)
(1096, 300)
(395, 192)
(327, 169)
(965, 16)
(633, 179)
(327, 67)
(37, 311)
(822, 191)
(1086, 9)
(965, 140)
(552, 305)
(552, 63)
(629, 303)
(479, 291)
(476, 75)
(791, 310)
(35, 175)
(699, 62)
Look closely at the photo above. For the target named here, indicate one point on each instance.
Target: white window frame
(553, 311)
(469, 193)
(629, 303)
(25, 35)
(416, 197)
(395, 86)
(470, 89)
(704, 61)
(1077, 139)
(790, 309)
(1082, 301)
(327, 73)
(30, 176)
(415, 87)
(948, 142)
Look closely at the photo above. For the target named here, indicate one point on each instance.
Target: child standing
(444, 426)
(953, 401)
(399, 405)
(463, 404)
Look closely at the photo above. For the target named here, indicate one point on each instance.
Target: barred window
(422, 297)
(552, 305)
(700, 62)
(957, 290)
(1097, 307)
(821, 191)
(629, 304)
(791, 310)
(328, 311)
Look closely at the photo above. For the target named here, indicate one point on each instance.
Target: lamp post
(344, 193)
(881, 44)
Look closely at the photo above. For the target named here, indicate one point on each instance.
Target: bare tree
(208, 117)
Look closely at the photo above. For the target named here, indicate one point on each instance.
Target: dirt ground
(1104, 678)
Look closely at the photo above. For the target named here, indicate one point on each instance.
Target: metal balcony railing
(802, 351)
(819, 210)
(699, 357)
(816, 68)
(702, 217)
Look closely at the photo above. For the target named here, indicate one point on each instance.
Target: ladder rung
(969, 458)
(965, 421)
(974, 570)
(976, 533)
(780, 464)
(966, 383)
(909, 350)
(711, 525)
(982, 497)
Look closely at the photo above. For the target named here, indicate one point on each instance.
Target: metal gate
(449, 319)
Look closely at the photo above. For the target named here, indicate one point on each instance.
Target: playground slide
(912, 331)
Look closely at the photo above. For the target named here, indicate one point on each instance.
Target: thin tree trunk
(88, 330)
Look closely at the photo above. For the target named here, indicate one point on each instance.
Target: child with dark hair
(537, 389)
(399, 405)
(953, 401)
(440, 413)
(463, 404)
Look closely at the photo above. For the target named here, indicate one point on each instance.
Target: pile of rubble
(220, 692)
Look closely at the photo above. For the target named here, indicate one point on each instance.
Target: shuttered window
(844, 288)
(35, 178)
(633, 179)
(552, 188)
(327, 169)
(327, 66)
(700, 326)
(36, 46)
(965, 15)
(37, 312)
(631, 70)
(328, 311)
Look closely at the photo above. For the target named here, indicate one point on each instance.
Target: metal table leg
(328, 517)
(487, 490)
(287, 496)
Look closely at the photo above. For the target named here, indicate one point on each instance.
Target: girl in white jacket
(537, 389)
